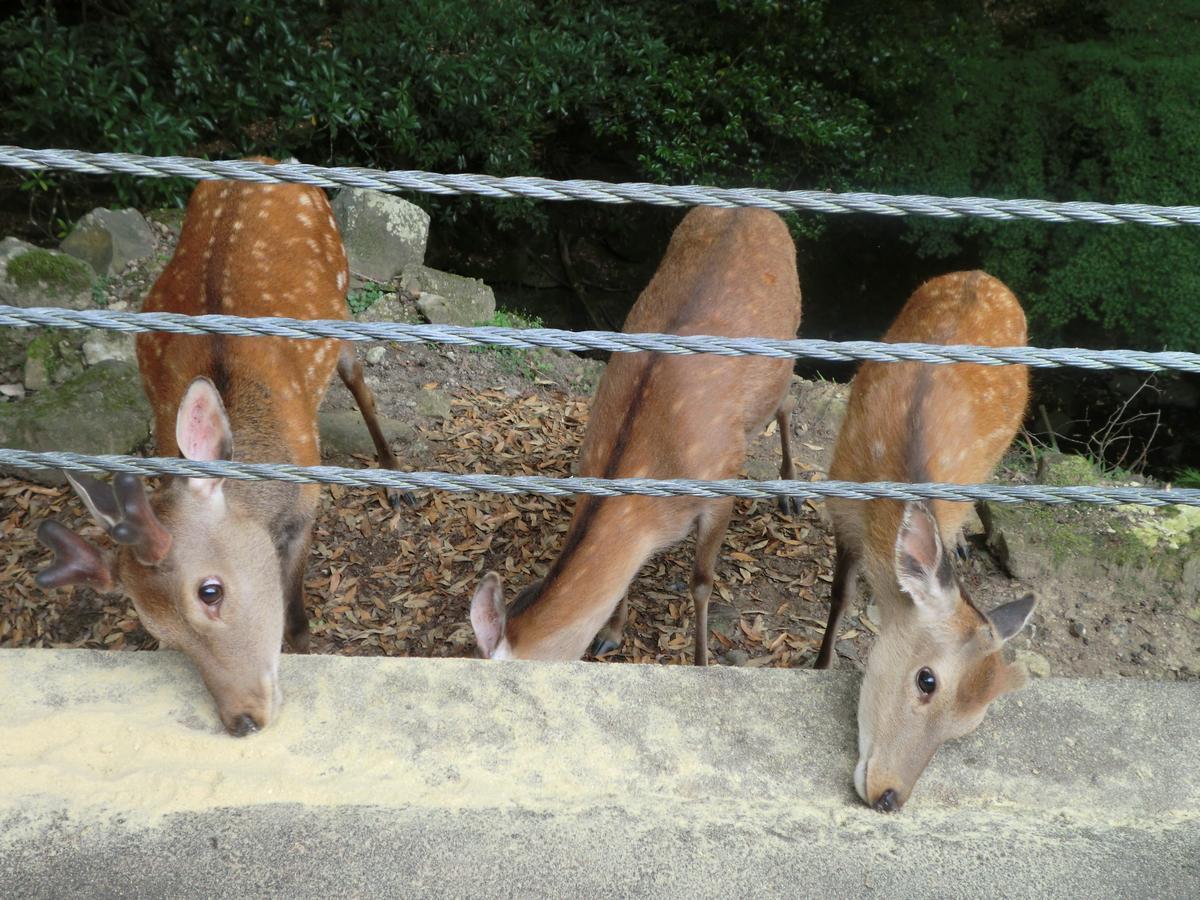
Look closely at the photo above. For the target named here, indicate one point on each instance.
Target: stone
(1067, 470)
(109, 239)
(14, 391)
(1077, 629)
(382, 233)
(446, 299)
(32, 276)
(735, 657)
(375, 355)
(344, 433)
(434, 404)
(99, 346)
(101, 410)
(1036, 664)
(52, 357)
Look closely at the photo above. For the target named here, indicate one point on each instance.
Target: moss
(1065, 470)
(1170, 528)
(45, 349)
(43, 267)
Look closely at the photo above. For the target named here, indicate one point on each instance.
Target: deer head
(933, 671)
(204, 577)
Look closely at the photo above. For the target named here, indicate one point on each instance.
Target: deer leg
(612, 635)
(710, 532)
(295, 628)
(789, 506)
(845, 586)
(351, 372)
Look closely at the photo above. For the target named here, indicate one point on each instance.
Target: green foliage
(364, 298)
(528, 364)
(780, 93)
(510, 318)
(1095, 103)
(1188, 478)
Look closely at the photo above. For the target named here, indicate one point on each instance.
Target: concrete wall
(458, 777)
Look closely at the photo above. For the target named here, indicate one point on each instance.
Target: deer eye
(926, 681)
(211, 591)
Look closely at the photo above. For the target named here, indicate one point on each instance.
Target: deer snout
(242, 725)
(888, 802)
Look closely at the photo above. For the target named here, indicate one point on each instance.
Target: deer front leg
(845, 586)
(710, 531)
(351, 372)
(612, 635)
(789, 506)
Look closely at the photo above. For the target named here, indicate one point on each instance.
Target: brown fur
(913, 422)
(726, 272)
(247, 250)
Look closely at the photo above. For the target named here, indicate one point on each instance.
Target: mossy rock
(45, 267)
(102, 410)
(1131, 545)
(52, 358)
(31, 276)
(1068, 470)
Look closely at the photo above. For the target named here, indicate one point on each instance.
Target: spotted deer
(937, 663)
(726, 272)
(216, 568)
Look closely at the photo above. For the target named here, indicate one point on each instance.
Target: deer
(725, 272)
(215, 568)
(937, 663)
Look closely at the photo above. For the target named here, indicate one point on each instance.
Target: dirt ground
(399, 582)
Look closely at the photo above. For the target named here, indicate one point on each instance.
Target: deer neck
(602, 555)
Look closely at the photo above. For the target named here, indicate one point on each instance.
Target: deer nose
(887, 801)
(242, 726)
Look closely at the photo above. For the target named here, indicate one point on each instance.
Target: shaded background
(1093, 100)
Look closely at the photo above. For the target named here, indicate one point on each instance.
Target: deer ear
(202, 431)
(488, 614)
(923, 569)
(1008, 620)
(75, 560)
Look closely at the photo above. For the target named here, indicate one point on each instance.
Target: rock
(343, 432)
(375, 355)
(32, 276)
(101, 410)
(446, 299)
(109, 239)
(735, 657)
(1036, 664)
(434, 404)
(1077, 629)
(1066, 470)
(99, 346)
(382, 233)
(52, 357)
(15, 391)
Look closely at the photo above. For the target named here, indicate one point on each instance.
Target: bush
(720, 91)
(1085, 103)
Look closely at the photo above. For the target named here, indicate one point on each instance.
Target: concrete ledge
(456, 777)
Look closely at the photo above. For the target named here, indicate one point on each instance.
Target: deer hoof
(600, 646)
(789, 506)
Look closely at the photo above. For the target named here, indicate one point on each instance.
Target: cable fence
(602, 192)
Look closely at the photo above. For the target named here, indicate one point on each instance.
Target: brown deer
(215, 568)
(937, 663)
(726, 272)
